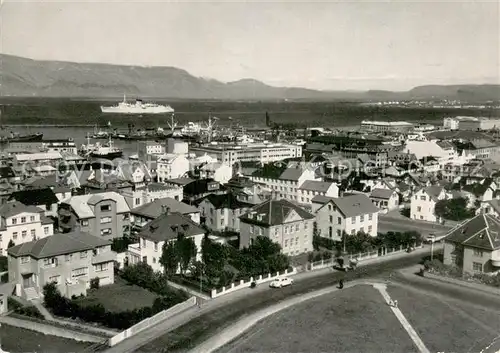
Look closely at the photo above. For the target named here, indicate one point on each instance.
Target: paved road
(200, 328)
(386, 224)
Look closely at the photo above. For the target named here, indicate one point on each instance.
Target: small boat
(107, 151)
(22, 138)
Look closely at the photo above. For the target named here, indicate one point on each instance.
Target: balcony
(495, 258)
(134, 249)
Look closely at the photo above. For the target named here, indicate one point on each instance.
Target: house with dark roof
(70, 260)
(44, 198)
(164, 229)
(350, 214)
(474, 245)
(20, 224)
(198, 189)
(222, 212)
(283, 222)
(141, 215)
(248, 191)
(52, 182)
(385, 199)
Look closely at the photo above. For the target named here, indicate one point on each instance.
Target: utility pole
(432, 247)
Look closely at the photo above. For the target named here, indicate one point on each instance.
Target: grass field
(447, 325)
(17, 340)
(119, 296)
(352, 320)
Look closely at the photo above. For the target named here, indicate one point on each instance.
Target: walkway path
(382, 288)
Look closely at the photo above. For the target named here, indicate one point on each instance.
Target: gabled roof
(274, 212)
(226, 201)
(58, 244)
(155, 209)
(433, 191)
(322, 199)
(202, 186)
(355, 205)
(10, 209)
(482, 231)
(36, 197)
(382, 193)
(167, 226)
(83, 205)
(180, 181)
(321, 186)
(291, 174)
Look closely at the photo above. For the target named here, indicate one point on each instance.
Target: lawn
(119, 296)
(447, 325)
(17, 340)
(352, 320)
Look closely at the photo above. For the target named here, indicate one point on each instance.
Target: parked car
(433, 238)
(281, 282)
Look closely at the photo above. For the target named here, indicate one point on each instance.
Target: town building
(106, 215)
(44, 198)
(258, 152)
(21, 224)
(198, 189)
(148, 148)
(471, 123)
(350, 214)
(248, 191)
(423, 203)
(171, 166)
(386, 126)
(70, 260)
(166, 228)
(474, 246)
(222, 212)
(217, 171)
(141, 215)
(385, 199)
(281, 221)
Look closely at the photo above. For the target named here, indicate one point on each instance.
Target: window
(154, 260)
(68, 257)
(83, 254)
(137, 201)
(276, 231)
(353, 232)
(156, 246)
(297, 241)
(419, 209)
(78, 272)
(251, 229)
(24, 233)
(46, 230)
(478, 253)
(353, 220)
(55, 279)
(362, 218)
(51, 262)
(25, 259)
(143, 242)
(260, 231)
(370, 229)
(454, 259)
(362, 229)
(32, 218)
(84, 223)
(331, 219)
(145, 259)
(105, 208)
(33, 233)
(23, 219)
(286, 243)
(14, 235)
(101, 267)
(286, 229)
(330, 232)
(105, 220)
(305, 225)
(106, 231)
(477, 267)
(423, 198)
(14, 220)
(370, 216)
(329, 207)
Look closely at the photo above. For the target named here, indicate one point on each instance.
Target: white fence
(246, 284)
(153, 320)
(359, 257)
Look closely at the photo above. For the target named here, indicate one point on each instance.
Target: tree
(169, 258)
(11, 244)
(214, 256)
(186, 251)
(453, 209)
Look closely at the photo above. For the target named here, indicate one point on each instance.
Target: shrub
(94, 283)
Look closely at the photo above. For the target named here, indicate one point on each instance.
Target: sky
(348, 45)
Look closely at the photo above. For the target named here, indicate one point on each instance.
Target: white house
(166, 228)
(385, 199)
(217, 171)
(350, 214)
(22, 224)
(222, 212)
(423, 203)
(171, 166)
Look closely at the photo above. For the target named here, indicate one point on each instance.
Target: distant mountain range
(23, 77)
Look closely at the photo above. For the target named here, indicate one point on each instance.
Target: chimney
(167, 210)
